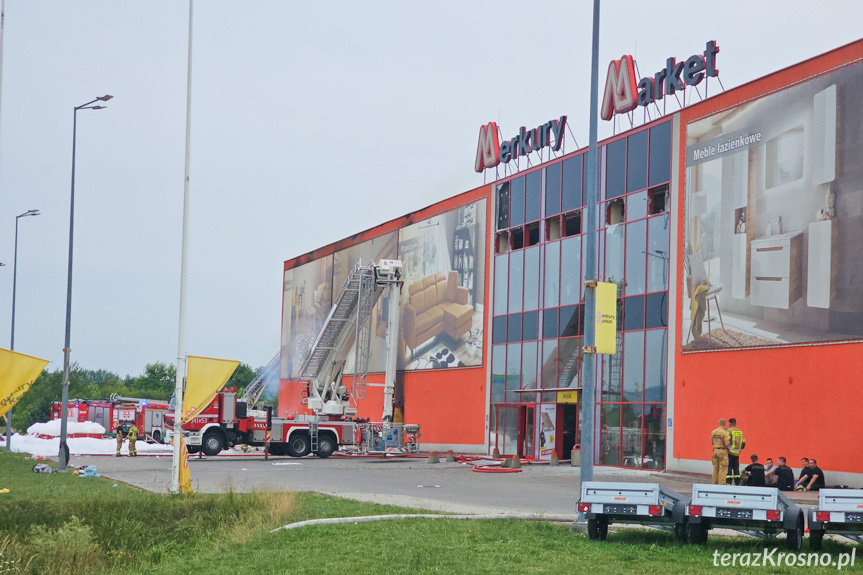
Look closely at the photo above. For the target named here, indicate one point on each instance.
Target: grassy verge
(61, 523)
(65, 524)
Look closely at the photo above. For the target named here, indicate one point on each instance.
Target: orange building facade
(731, 228)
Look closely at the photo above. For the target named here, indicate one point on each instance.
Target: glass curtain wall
(538, 312)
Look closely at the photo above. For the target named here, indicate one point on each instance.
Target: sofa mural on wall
(441, 300)
(774, 219)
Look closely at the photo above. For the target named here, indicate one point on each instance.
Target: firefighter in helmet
(119, 438)
(132, 436)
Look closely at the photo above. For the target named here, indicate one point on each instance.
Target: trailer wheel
(696, 533)
(597, 529)
(299, 444)
(794, 536)
(213, 443)
(815, 537)
(326, 445)
(680, 532)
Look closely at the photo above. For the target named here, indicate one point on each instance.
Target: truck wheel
(277, 448)
(193, 448)
(326, 445)
(597, 529)
(794, 539)
(815, 537)
(213, 443)
(680, 532)
(299, 444)
(696, 533)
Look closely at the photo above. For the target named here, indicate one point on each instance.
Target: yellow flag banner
(17, 373)
(185, 478)
(205, 376)
(606, 318)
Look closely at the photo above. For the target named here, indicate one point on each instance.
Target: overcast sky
(310, 121)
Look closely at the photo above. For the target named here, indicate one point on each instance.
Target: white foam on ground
(52, 428)
(80, 446)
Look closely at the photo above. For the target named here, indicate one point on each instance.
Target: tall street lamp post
(12, 337)
(64, 406)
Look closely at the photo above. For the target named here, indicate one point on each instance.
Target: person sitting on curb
(814, 480)
(754, 473)
(804, 471)
(782, 475)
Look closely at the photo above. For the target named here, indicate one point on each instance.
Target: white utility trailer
(839, 511)
(651, 504)
(757, 511)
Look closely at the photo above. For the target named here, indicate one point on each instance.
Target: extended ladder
(253, 392)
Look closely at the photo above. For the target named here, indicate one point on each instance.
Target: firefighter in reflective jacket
(720, 440)
(132, 436)
(734, 448)
(119, 439)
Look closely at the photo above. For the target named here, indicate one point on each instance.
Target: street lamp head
(31, 213)
(97, 107)
(105, 98)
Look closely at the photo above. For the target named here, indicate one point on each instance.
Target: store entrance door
(526, 420)
(569, 423)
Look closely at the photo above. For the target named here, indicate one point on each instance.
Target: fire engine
(147, 414)
(230, 420)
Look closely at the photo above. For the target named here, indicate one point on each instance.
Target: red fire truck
(147, 414)
(229, 420)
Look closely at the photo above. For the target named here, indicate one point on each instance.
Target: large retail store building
(749, 202)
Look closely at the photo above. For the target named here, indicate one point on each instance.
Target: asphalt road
(540, 490)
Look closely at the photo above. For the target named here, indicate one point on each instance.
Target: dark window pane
(655, 364)
(529, 325)
(513, 372)
(660, 154)
(503, 206)
(529, 353)
(498, 329)
(611, 374)
(615, 169)
(656, 310)
(569, 353)
(571, 320)
(516, 202)
(654, 437)
(572, 183)
(516, 281)
(513, 328)
(633, 366)
(549, 363)
(549, 323)
(532, 196)
(636, 239)
(636, 162)
(552, 189)
(498, 372)
(609, 439)
(633, 312)
(657, 253)
(631, 434)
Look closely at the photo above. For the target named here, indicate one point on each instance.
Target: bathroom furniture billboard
(773, 225)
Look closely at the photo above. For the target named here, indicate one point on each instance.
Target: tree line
(157, 382)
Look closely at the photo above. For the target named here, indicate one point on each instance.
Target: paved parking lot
(452, 487)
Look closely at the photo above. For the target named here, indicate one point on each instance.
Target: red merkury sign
(490, 152)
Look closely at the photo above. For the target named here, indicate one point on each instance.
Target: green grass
(65, 524)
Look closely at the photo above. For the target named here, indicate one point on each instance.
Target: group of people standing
(131, 435)
(728, 441)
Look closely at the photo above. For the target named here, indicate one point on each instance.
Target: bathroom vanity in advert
(776, 270)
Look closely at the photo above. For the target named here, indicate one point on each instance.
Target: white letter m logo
(620, 94)
(488, 148)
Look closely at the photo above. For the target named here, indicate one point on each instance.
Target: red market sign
(622, 93)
